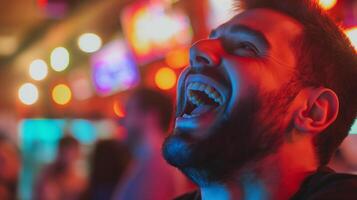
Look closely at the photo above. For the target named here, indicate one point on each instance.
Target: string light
(38, 69)
(59, 59)
(89, 42)
(61, 94)
(28, 94)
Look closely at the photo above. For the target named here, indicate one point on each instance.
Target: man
(147, 119)
(10, 165)
(266, 100)
(62, 179)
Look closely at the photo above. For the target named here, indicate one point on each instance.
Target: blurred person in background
(62, 180)
(266, 101)
(10, 165)
(109, 160)
(345, 159)
(147, 120)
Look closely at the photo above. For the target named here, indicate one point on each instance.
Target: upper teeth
(210, 91)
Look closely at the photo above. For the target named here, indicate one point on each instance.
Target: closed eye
(246, 49)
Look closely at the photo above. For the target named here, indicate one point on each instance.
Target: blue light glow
(353, 129)
(84, 131)
(38, 141)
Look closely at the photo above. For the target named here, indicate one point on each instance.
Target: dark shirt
(325, 184)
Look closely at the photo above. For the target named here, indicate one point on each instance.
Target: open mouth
(202, 95)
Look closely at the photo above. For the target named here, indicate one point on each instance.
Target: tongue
(202, 109)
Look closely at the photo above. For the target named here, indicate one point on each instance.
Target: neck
(248, 187)
(278, 176)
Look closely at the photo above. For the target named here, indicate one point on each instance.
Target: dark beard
(251, 133)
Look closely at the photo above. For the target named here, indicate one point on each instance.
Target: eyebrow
(258, 35)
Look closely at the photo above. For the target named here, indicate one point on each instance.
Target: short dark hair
(326, 58)
(68, 141)
(153, 100)
(108, 162)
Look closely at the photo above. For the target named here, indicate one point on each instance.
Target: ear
(318, 110)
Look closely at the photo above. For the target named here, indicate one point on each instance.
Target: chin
(214, 153)
(177, 151)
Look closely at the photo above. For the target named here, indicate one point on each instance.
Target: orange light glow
(118, 109)
(178, 58)
(61, 94)
(327, 4)
(352, 35)
(165, 78)
(152, 30)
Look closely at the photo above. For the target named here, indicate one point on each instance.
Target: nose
(205, 53)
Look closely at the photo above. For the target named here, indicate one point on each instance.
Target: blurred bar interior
(66, 65)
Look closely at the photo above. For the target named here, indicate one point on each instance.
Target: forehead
(267, 21)
(278, 29)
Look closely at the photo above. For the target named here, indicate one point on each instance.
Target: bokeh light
(89, 42)
(178, 58)
(61, 94)
(59, 59)
(151, 30)
(327, 4)
(352, 35)
(81, 89)
(165, 78)
(114, 68)
(220, 12)
(28, 94)
(42, 3)
(118, 109)
(38, 69)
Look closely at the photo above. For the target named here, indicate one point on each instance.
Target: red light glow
(42, 3)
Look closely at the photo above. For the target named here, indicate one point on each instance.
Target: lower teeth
(202, 109)
(189, 116)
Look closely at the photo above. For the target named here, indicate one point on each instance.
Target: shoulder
(195, 195)
(337, 186)
(328, 185)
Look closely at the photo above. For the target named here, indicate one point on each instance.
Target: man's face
(232, 99)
